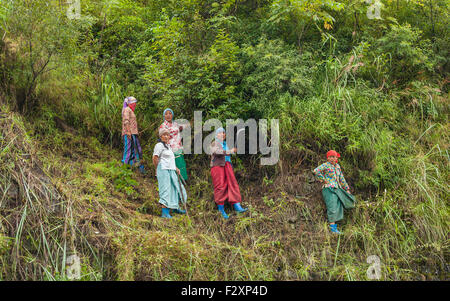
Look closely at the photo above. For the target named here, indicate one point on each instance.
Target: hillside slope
(64, 194)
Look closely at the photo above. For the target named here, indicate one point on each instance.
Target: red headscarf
(333, 153)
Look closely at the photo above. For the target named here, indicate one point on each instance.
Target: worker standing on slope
(226, 187)
(175, 141)
(335, 191)
(171, 191)
(132, 151)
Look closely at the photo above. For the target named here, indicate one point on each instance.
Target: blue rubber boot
(238, 208)
(179, 211)
(222, 210)
(166, 213)
(334, 229)
(142, 170)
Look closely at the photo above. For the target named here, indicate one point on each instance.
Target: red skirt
(225, 185)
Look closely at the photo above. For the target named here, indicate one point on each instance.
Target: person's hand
(178, 171)
(180, 128)
(234, 150)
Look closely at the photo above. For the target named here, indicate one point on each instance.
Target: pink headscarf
(127, 101)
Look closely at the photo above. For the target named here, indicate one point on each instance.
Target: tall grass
(106, 108)
(34, 214)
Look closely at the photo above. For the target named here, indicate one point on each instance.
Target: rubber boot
(238, 208)
(142, 170)
(179, 211)
(222, 210)
(334, 229)
(166, 213)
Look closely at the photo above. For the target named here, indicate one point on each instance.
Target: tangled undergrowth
(65, 194)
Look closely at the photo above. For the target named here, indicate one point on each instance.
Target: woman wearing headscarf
(132, 151)
(171, 190)
(175, 140)
(336, 192)
(225, 185)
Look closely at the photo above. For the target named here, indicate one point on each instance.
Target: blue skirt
(170, 194)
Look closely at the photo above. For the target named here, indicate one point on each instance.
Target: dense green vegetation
(376, 90)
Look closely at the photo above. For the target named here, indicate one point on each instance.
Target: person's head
(332, 156)
(168, 115)
(164, 135)
(220, 134)
(131, 101)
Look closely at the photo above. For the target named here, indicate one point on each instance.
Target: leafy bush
(119, 174)
(42, 35)
(404, 52)
(274, 75)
